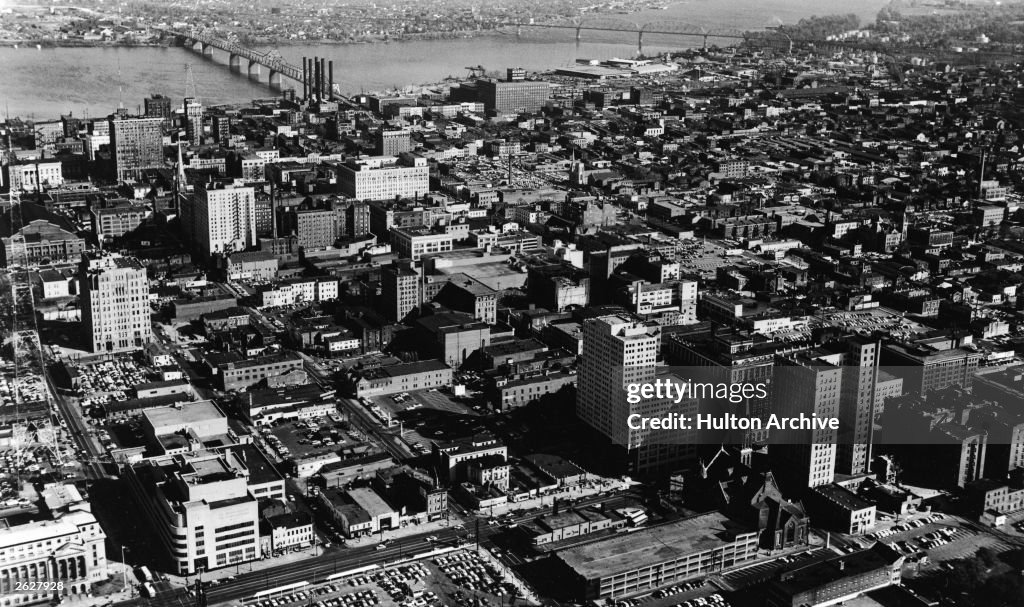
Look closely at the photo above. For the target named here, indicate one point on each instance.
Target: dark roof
(30, 212)
(817, 575)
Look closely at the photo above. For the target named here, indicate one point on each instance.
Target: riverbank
(250, 42)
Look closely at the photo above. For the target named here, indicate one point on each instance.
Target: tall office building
(617, 351)
(400, 290)
(857, 404)
(225, 217)
(357, 220)
(392, 142)
(807, 383)
(137, 144)
(222, 132)
(353, 218)
(314, 228)
(193, 120)
(115, 302)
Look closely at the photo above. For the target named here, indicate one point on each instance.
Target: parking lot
(459, 579)
(27, 463)
(29, 386)
(428, 415)
(303, 438)
(470, 572)
(107, 381)
(940, 537)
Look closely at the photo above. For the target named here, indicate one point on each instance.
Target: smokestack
(305, 70)
(323, 78)
(330, 80)
(316, 78)
(305, 78)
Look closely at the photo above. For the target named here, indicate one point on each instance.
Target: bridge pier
(251, 72)
(640, 43)
(519, 30)
(234, 62)
(207, 50)
(705, 42)
(275, 79)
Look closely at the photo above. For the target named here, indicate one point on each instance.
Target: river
(89, 82)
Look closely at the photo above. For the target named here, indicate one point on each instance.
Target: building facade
(69, 551)
(137, 144)
(201, 507)
(115, 302)
(225, 217)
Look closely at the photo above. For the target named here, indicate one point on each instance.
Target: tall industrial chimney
(330, 80)
(323, 78)
(316, 77)
(305, 79)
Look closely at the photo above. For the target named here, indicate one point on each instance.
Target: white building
(414, 243)
(115, 302)
(69, 550)
(384, 178)
(617, 351)
(31, 176)
(202, 508)
(225, 217)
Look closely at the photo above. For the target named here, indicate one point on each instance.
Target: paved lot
(298, 437)
(430, 415)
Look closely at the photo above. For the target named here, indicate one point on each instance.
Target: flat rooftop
(368, 500)
(182, 414)
(652, 546)
(817, 575)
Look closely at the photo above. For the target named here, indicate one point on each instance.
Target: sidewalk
(402, 532)
(179, 581)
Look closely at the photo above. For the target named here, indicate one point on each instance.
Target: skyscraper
(225, 217)
(807, 383)
(857, 404)
(137, 143)
(618, 351)
(193, 120)
(115, 302)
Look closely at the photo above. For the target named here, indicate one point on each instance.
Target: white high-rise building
(193, 120)
(619, 351)
(115, 302)
(224, 217)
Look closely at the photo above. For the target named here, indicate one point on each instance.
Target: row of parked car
(678, 589)
(907, 526)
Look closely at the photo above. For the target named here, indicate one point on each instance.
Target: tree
(987, 556)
